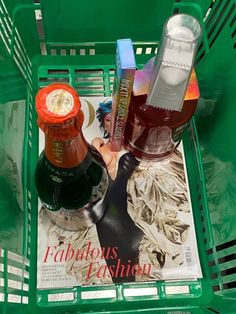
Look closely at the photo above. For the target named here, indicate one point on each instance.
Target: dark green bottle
(71, 177)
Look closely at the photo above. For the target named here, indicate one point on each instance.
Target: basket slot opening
(208, 11)
(177, 290)
(214, 276)
(18, 271)
(135, 292)
(15, 257)
(61, 297)
(215, 21)
(98, 294)
(53, 80)
(229, 285)
(93, 79)
(92, 52)
(58, 71)
(89, 72)
(233, 21)
(25, 300)
(72, 52)
(43, 49)
(227, 258)
(2, 281)
(211, 263)
(209, 251)
(219, 18)
(82, 52)
(63, 52)
(13, 298)
(139, 51)
(13, 284)
(228, 272)
(213, 311)
(226, 19)
(148, 50)
(234, 33)
(226, 245)
(53, 52)
(40, 29)
(216, 288)
(214, 11)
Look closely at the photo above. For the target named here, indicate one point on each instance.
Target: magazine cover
(147, 232)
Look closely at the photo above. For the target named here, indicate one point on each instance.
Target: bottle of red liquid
(71, 177)
(157, 118)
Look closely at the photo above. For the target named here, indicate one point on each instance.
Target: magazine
(147, 231)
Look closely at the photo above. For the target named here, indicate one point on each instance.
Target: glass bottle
(71, 177)
(157, 119)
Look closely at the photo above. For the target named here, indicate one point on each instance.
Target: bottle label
(66, 154)
(65, 175)
(60, 102)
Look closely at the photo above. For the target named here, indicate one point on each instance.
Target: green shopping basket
(45, 41)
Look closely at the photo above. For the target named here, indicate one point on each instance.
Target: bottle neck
(67, 153)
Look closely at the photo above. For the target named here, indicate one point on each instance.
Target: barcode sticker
(188, 256)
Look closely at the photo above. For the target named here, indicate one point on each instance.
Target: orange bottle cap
(59, 111)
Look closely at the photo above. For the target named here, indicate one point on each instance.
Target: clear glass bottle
(156, 120)
(71, 177)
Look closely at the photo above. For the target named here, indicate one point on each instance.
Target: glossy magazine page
(147, 232)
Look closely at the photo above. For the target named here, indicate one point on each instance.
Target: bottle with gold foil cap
(71, 177)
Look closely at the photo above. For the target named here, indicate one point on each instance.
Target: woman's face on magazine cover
(107, 122)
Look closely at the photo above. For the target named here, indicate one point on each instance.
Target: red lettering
(94, 256)
(79, 255)
(49, 253)
(120, 268)
(109, 252)
(111, 271)
(101, 272)
(148, 272)
(70, 251)
(114, 253)
(103, 251)
(91, 269)
(87, 251)
(128, 268)
(59, 254)
(136, 270)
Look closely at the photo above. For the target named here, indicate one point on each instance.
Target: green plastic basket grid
(89, 67)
